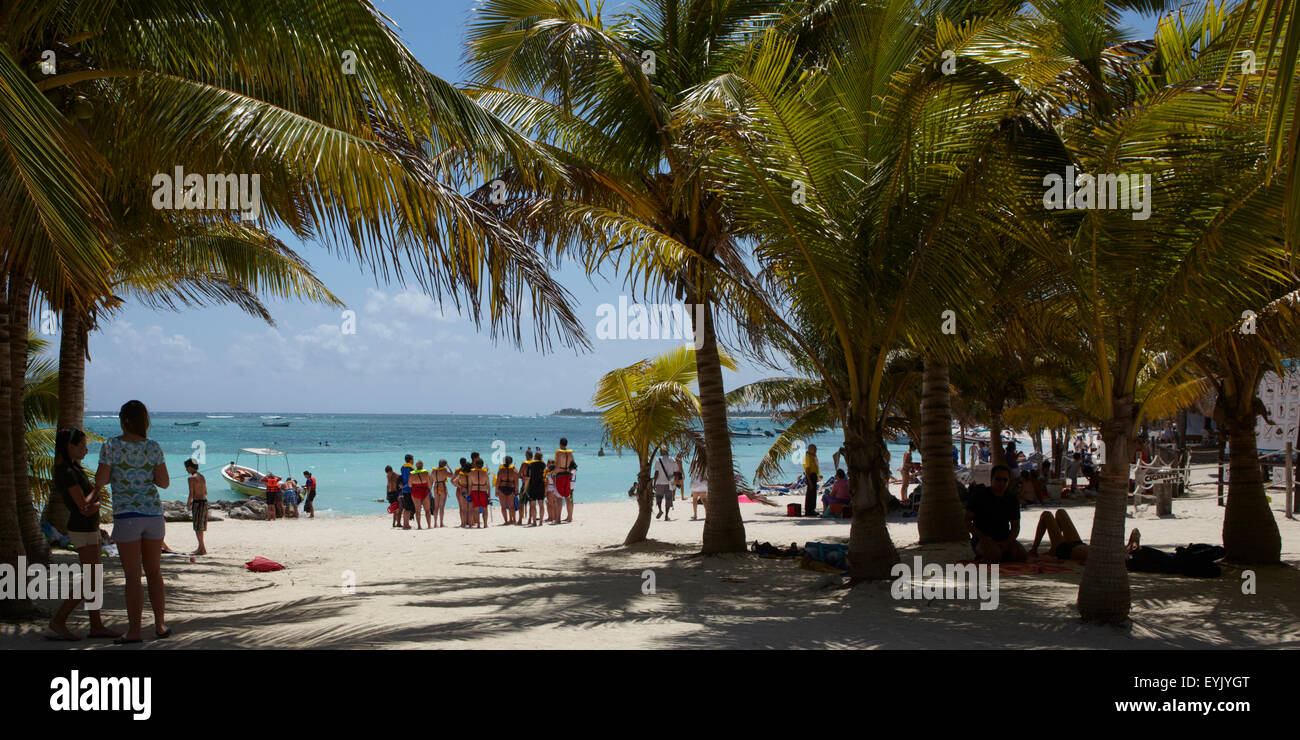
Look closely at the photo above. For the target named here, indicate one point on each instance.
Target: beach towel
(1043, 566)
(260, 564)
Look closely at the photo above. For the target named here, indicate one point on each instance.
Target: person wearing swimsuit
(441, 475)
(462, 492)
(536, 481)
(563, 462)
(420, 487)
(479, 480)
(507, 481)
(552, 494)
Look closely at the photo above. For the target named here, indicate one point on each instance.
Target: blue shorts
(136, 528)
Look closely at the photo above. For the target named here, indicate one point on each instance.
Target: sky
(406, 355)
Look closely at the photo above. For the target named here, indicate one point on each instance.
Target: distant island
(575, 412)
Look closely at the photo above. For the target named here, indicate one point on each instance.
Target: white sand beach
(573, 586)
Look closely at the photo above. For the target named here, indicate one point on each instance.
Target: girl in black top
(82, 500)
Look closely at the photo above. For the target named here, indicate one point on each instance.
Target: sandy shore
(572, 586)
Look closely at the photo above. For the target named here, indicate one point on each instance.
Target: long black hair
(62, 441)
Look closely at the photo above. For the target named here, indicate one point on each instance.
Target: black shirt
(66, 477)
(993, 514)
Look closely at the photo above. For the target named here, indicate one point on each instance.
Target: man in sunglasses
(993, 520)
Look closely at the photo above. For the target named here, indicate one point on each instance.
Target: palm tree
(1234, 363)
(602, 94)
(204, 86)
(1209, 248)
(646, 406)
(942, 518)
(849, 177)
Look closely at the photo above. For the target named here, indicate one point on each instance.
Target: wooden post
(1164, 498)
(1223, 442)
(1290, 485)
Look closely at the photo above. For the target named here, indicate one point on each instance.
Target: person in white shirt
(664, 468)
(699, 493)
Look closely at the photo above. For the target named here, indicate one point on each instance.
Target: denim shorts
(137, 528)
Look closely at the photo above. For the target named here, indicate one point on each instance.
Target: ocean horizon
(347, 453)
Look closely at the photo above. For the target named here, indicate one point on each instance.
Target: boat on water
(276, 423)
(252, 481)
(211, 416)
(185, 423)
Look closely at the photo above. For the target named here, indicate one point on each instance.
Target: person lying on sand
(1065, 539)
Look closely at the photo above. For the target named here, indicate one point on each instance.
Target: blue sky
(406, 355)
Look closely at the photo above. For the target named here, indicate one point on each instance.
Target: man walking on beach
(664, 468)
(810, 473)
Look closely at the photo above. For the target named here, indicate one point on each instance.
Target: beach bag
(260, 564)
(393, 508)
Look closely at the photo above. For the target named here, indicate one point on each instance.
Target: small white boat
(276, 423)
(251, 481)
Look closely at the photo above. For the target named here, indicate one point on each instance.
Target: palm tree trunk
(1104, 589)
(644, 504)
(1250, 533)
(724, 531)
(871, 552)
(11, 538)
(942, 517)
(20, 286)
(72, 391)
(997, 454)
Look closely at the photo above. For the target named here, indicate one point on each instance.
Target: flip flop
(124, 641)
(164, 634)
(109, 636)
(60, 638)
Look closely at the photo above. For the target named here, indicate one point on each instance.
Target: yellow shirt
(810, 464)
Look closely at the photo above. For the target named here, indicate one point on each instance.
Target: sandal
(164, 634)
(123, 641)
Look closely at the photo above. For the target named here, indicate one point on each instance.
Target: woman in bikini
(1065, 539)
(479, 480)
(441, 475)
(421, 485)
(507, 483)
(552, 495)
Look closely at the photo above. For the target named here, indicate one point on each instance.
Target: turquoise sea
(350, 470)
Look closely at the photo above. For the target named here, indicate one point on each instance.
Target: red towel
(260, 564)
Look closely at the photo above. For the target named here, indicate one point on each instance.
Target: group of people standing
(544, 487)
(283, 496)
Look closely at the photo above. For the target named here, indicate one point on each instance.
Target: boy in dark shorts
(197, 503)
(309, 487)
(272, 497)
(993, 520)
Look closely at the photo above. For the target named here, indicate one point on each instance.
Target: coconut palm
(1209, 248)
(1234, 363)
(602, 92)
(850, 178)
(648, 405)
(357, 147)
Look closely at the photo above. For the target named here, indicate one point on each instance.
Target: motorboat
(251, 481)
